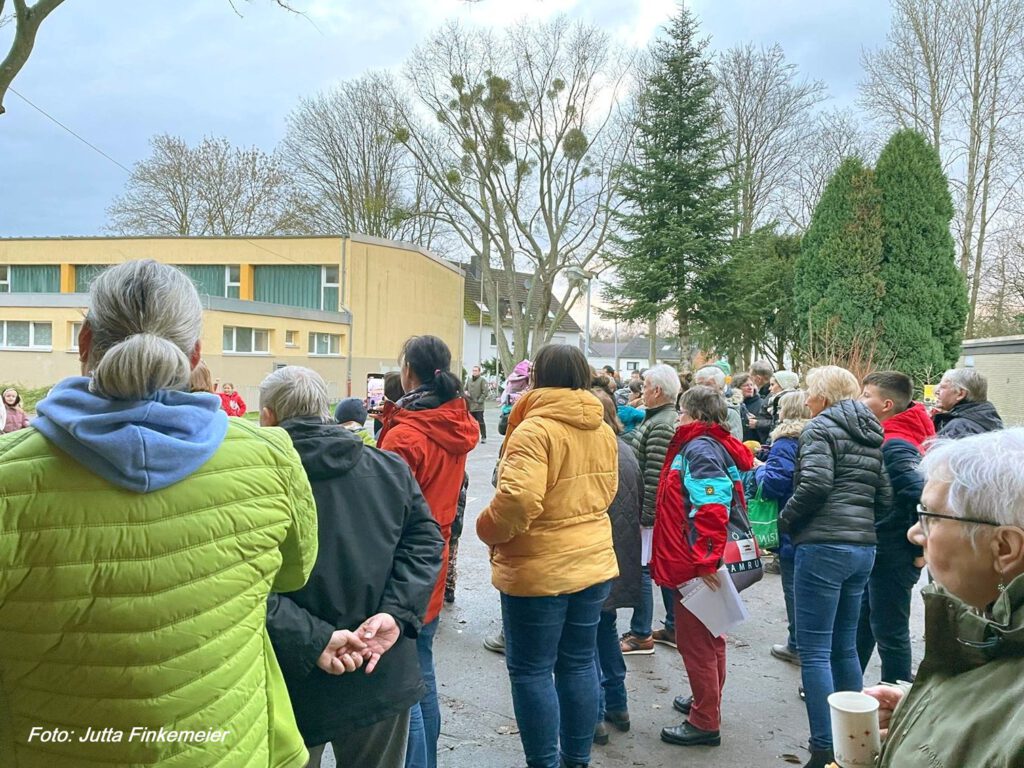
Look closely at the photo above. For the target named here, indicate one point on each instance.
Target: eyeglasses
(923, 514)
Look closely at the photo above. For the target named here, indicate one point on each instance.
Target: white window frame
(73, 341)
(5, 278)
(324, 285)
(234, 340)
(632, 366)
(311, 347)
(32, 346)
(228, 283)
(291, 339)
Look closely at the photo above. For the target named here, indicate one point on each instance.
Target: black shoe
(687, 735)
(785, 653)
(820, 758)
(682, 704)
(619, 719)
(449, 596)
(566, 764)
(601, 734)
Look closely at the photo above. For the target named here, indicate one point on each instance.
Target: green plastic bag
(764, 520)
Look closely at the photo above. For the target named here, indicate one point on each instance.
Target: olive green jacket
(964, 709)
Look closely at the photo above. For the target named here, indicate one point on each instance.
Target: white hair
(710, 376)
(969, 381)
(146, 319)
(984, 473)
(295, 392)
(664, 378)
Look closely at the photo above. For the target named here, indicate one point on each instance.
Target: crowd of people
(167, 566)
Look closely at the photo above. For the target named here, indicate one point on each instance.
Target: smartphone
(374, 392)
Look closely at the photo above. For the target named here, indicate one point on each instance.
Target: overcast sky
(119, 71)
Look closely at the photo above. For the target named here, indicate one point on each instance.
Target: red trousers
(704, 659)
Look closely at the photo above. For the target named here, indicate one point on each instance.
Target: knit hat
(787, 379)
(350, 409)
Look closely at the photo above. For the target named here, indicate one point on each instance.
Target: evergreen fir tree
(925, 304)
(838, 292)
(679, 200)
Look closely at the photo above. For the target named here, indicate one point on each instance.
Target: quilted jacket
(625, 516)
(121, 609)
(650, 442)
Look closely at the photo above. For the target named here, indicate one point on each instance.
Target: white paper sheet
(720, 610)
(646, 544)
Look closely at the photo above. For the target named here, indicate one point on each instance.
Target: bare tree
(26, 19)
(836, 135)
(767, 108)
(351, 173)
(212, 189)
(525, 130)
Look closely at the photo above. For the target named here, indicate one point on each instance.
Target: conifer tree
(925, 305)
(678, 219)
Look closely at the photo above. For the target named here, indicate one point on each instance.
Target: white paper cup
(855, 738)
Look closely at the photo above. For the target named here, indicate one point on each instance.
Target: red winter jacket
(232, 404)
(697, 487)
(434, 444)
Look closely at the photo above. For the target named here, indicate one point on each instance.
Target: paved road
(763, 717)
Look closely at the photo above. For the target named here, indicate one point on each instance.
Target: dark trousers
(479, 416)
(885, 615)
(381, 745)
(704, 658)
(550, 645)
(611, 667)
(787, 569)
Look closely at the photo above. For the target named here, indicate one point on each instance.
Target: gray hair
(762, 368)
(146, 319)
(710, 376)
(984, 473)
(295, 392)
(970, 381)
(665, 378)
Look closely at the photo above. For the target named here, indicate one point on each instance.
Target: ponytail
(139, 366)
(430, 359)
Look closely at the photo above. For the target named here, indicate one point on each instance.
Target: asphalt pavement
(764, 722)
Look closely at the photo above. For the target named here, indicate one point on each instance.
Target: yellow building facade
(340, 305)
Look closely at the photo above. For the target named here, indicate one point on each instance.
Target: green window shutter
(293, 286)
(208, 279)
(85, 274)
(37, 279)
(233, 292)
(331, 299)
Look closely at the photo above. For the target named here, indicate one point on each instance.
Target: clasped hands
(348, 650)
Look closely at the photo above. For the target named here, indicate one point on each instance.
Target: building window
(291, 338)
(327, 344)
(494, 341)
(329, 288)
(76, 328)
(632, 366)
(5, 279)
(24, 334)
(246, 341)
(232, 281)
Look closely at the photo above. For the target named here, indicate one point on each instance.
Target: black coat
(380, 551)
(968, 418)
(753, 408)
(901, 460)
(840, 484)
(625, 515)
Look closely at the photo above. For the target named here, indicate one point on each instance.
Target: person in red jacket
(430, 427)
(231, 401)
(699, 484)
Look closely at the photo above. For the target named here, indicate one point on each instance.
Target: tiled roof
(471, 310)
(639, 349)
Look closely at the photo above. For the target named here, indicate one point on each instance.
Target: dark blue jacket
(775, 476)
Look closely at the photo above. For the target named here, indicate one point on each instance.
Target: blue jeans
(885, 615)
(611, 667)
(829, 585)
(643, 614)
(550, 643)
(425, 717)
(787, 567)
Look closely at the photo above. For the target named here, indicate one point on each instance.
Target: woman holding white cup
(964, 706)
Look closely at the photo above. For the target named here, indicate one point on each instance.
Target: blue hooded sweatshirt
(140, 445)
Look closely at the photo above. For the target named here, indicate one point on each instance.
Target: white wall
(477, 348)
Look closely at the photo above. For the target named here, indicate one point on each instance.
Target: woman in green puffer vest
(140, 535)
(963, 710)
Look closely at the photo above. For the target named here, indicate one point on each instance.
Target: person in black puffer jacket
(962, 396)
(626, 589)
(839, 486)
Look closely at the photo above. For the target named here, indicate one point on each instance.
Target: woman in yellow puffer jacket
(551, 554)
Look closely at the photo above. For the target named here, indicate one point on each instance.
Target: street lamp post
(578, 275)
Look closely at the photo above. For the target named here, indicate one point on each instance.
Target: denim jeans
(885, 615)
(550, 644)
(611, 667)
(643, 614)
(829, 585)
(787, 568)
(425, 717)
